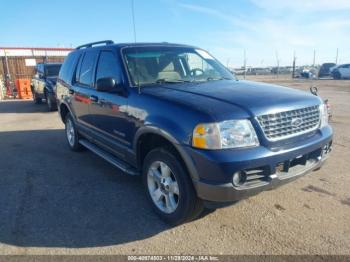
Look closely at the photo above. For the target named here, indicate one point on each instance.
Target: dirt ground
(54, 201)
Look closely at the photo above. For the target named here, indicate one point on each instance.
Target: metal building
(19, 63)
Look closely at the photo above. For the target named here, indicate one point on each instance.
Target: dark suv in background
(197, 135)
(325, 69)
(44, 82)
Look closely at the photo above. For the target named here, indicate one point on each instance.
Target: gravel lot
(54, 201)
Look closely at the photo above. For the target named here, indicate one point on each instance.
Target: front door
(109, 111)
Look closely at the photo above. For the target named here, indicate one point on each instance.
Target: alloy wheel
(163, 187)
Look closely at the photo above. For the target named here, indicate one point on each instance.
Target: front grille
(289, 123)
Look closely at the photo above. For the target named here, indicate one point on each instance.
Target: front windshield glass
(52, 70)
(154, 65)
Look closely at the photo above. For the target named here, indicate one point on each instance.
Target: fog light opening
(239, 178)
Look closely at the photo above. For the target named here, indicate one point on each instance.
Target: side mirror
(107, 84)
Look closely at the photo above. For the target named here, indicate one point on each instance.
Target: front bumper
(265, 168)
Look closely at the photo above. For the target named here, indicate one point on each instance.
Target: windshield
(154, 65)
(52, 70)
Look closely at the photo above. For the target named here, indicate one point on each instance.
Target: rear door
(109, 112)
(82, 89)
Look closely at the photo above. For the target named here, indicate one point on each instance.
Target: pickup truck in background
(44, 82)
(196, 134)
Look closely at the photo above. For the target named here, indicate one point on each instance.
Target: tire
(51, 106)
(161, 189)
(72, 135)
(337, 75)
(37, 100)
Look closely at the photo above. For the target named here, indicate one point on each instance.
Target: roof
(34, 51)
(50, 63)
(152, 44)
(110, 43)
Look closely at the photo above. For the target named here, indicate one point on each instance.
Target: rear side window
(87, 68)
(108, 66)
(66, 71)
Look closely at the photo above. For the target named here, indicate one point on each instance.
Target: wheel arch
(144, 142)
(63, 111)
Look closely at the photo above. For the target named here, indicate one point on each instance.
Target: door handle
(93, 98)
(71, 91)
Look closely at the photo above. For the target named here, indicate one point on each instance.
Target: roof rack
(89, 45)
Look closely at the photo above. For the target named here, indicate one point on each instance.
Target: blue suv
(176, 116)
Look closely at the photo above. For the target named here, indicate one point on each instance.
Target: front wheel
(72, 134)
(337, 75)
(169, 188)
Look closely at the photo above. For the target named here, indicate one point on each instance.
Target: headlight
(226, 134)
(323, 115)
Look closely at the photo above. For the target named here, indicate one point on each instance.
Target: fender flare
(166, 135)
(64, 103)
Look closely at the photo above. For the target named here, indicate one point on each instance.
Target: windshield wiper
(170, 81)
(216, 79)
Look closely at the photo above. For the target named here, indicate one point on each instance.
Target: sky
(266, 30)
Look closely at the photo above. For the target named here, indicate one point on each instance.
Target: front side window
(107, 66)
(152, 65)
(87, 68)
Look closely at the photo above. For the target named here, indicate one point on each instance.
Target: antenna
(133, 18)
(134, 26)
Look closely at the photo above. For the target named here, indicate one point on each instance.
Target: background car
(325, 69)
(44, 82)
(341, 71)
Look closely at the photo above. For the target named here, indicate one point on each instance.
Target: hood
(252, 97)
(51, 79)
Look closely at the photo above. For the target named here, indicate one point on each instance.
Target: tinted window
(68, 67)
(107, 66)
(52, 70)
(87, 68)
(151, 65)
(39, 68)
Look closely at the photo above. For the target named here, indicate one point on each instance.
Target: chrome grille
(289, 123)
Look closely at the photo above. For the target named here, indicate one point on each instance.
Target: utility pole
(7, 76)
(336, 57)
(294, 60)
(278, 63)
(313, 64)
(245, 63)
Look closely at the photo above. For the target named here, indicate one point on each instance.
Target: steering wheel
(194, 70)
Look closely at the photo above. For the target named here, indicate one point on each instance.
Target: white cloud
(264, 34)
(303, 5)
(217, 14)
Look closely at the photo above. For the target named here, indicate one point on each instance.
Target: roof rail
(89, 45)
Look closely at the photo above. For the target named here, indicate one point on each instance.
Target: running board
(110, 158)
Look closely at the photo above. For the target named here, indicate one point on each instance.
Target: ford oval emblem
(296, 122)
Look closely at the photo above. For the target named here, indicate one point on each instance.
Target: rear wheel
(72, 134)
(51, 106)
(37, 100)
(169, 188)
